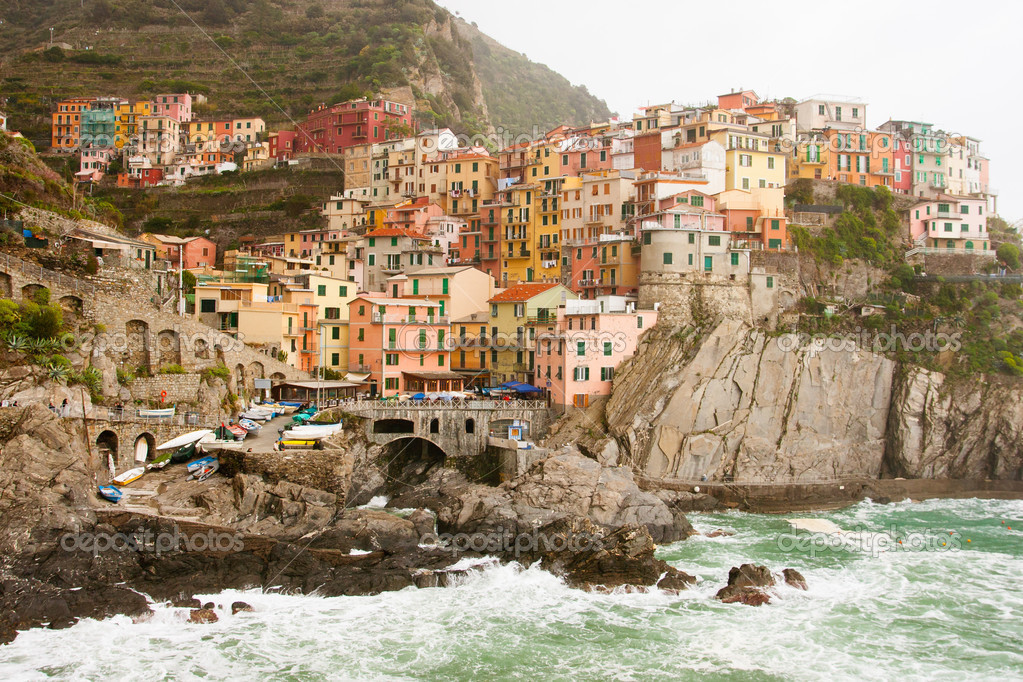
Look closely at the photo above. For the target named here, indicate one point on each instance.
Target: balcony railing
(410, 319)
(520, 254)
(364, 369)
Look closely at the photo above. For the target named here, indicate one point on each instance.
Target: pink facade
(580, 358)
(313, 239)
(178, 107)
(282, 145)
(902, 182)
(401, 344)
(950, 222)
(93, 164)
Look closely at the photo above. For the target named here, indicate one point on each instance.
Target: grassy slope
(301, 52)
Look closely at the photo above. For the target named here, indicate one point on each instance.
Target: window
(745, 183)
(692, 238)
(745, 160)
(581, 374)
(770, 162)
(607, 373)
(667, 257)
(708, 263)
(714, 240)
(391, 359)
(646, 237)
(208, 305)
(440, 360)
(321, 290)
(770, 282)
(335, 359)
(735, 259)
(580, 348)
(342, 291)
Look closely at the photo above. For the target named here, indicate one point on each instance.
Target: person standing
(65, 408)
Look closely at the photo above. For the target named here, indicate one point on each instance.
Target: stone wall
(138, 335)
(329, 470)
(952, 264)
(180, 388)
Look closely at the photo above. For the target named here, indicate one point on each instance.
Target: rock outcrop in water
(750, 584)
(588, 523)
(738, 405)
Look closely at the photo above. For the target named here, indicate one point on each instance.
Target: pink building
(193, 253)
(282, 145)
(94, 164)
(577, 361)
(902, 182)
(401, 343)
(950, 222)
(178, 107)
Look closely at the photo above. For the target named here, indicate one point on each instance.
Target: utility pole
(51, 37)
(181, 280)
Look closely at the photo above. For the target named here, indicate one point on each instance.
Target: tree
(188, 280)
(216, 13)
(1009, 254)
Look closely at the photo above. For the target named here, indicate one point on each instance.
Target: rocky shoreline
(595, 526)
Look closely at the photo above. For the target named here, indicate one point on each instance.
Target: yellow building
(472, 179)
(749, 163)
(514, 314)
(126, 123)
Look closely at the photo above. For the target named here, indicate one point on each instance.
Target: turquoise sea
(874, 610)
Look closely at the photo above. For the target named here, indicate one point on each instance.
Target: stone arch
(410, 461)
(470, 425)
(6, 287)
(145, 447)
(435, 425)
(256, 370)
(29, 291)
(201, 349)
(106, 445)
(786, 299)
(137, 344)
(168, 346)
(239, 378)
(72, 306)
(278, 376)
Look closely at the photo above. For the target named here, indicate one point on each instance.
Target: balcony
(586, 283)
(363, 369)
(524, 253)
(411, 319)
(522, 367)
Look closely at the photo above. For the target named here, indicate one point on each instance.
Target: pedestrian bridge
(458, 428)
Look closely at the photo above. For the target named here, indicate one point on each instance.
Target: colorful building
(577, 358)
(400, 345)
(192, 253)
(66, 127)
(176, 106)
(951, 222)
(514, 316)
(335, 128)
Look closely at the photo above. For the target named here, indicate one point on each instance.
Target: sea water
(874, 610)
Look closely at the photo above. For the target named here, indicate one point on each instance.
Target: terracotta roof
(396, 232)
(523, 292)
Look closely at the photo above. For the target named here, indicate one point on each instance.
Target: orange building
(66, 127)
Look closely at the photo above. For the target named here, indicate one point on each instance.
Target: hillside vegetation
(300, 52)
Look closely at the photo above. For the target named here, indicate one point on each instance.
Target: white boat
(257, 415)
(129, 476)
(311, 432)
(249, 425)
(166, 412)
(218, 445)
(186, 439)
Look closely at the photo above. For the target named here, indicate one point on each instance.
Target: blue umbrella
(419, 396)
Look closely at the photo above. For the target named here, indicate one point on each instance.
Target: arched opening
(201, 349)
(394, 426)
(969, 246)
(278, 376)
(434, 426)
(256, 370)
(470, 425)
(410, 461)
(239, 377)
(145, 447)
(6, 288)
(72, 306)
(136, 350)
(106, 445)
(29, 291)
(167, 343)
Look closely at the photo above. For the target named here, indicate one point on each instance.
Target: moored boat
(111, 493)
(249, 425)
(129, 476)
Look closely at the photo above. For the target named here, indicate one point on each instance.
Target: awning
(520, 387)
(434, 376)
(357, 377)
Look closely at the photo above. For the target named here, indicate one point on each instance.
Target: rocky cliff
(739, 404)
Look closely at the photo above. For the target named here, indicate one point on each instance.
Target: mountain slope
(276, 59)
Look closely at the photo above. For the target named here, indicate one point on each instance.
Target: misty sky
(953, 64)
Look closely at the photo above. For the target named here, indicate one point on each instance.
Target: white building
(824, 111)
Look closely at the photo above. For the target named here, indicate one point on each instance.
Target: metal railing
(10, 264)
(931, 250)
(473, 404)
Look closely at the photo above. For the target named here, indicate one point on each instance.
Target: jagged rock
(203, 616)
(794, 578)
(240, 606)
(720, 534)
(423, 521)
(745, 585)
(191, 603)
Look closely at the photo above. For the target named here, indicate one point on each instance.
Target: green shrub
(218, 372)
(172, 369)
(125, 377)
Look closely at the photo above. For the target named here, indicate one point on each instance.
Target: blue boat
(111, 493)
(200, 463)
